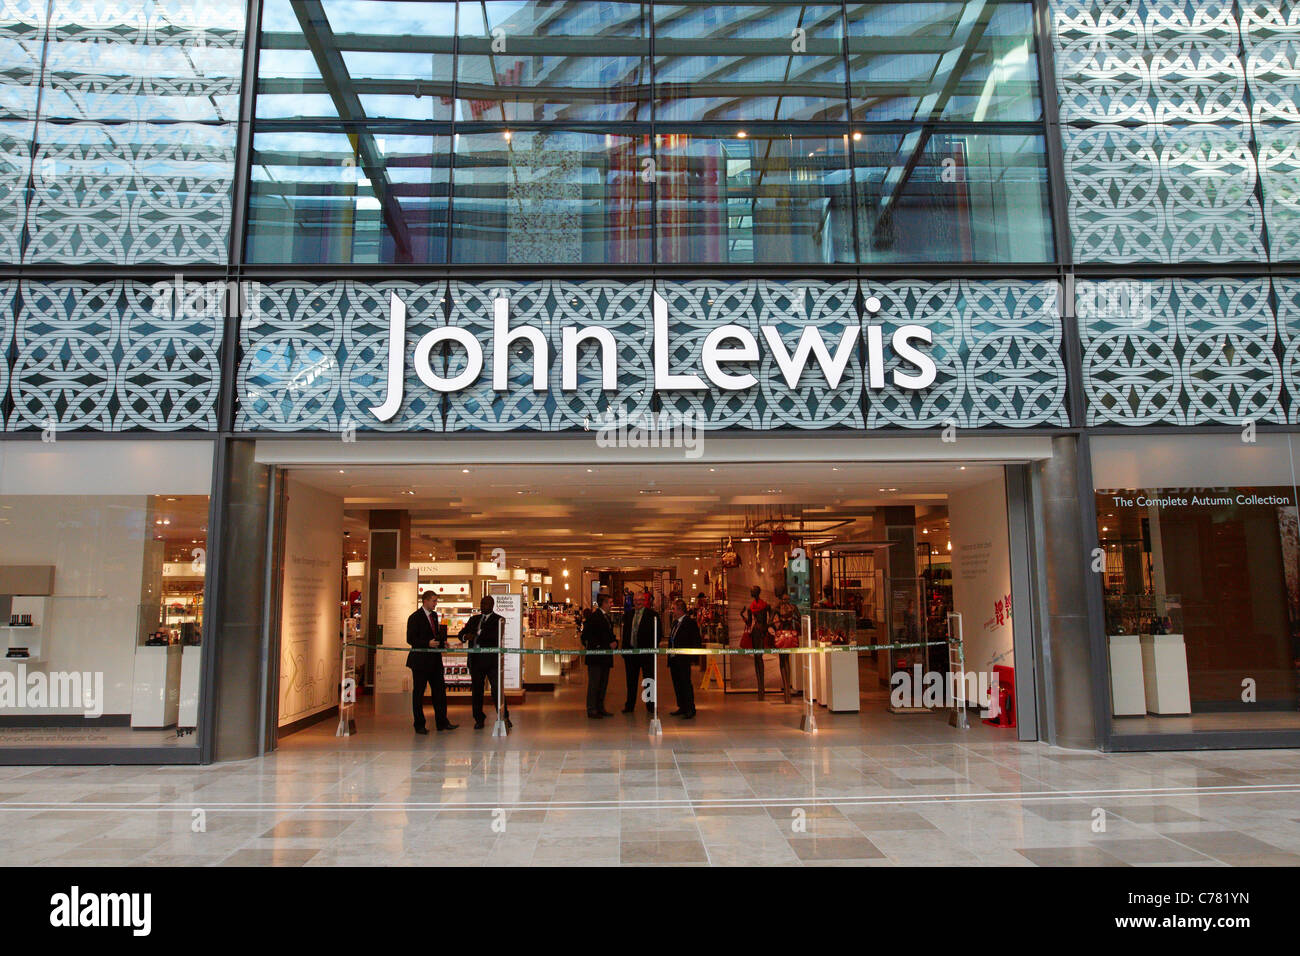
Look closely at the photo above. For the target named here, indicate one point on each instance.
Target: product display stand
(499, 729)
(656, 726)
(808, 723)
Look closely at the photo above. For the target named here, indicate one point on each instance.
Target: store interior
(871, 553)
(107, 591)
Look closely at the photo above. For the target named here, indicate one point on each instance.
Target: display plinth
(1128, 695)
(188, 715)
(156, 693)
(840, 681)
(1164, 669)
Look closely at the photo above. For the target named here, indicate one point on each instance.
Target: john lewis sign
(554, 355)
(727, 357)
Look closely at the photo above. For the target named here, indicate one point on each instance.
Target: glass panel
(531, 61)
(348, 195)
(1202, 605)
(356, 59)
(102, 587)
(1201, 544)
(550, 196)
(945, 60)
(15, 166)
(169, 59)
(933, 196)
(22, 33)
(753, 198)
(131, 193)
(772, 61)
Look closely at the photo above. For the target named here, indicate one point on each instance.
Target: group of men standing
(641, 631)
(423, 632)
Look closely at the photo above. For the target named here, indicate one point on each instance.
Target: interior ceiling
(621, 513)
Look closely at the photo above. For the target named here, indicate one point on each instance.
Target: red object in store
(1006, 697)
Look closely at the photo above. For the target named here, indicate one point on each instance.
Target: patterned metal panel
(998, 348)
(22, 41)
(696, 308)
(135, 139)
(1270, 33)
(1163, 194)
(1288, 327)
(1179, 351)
(1157, 140)
(132, 193)
(116, 356)
(621, 307)
(1143, 62)
(7, 292)
(142, 60)
(314, 355)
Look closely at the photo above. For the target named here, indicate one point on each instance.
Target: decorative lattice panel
(998, 349)
(1178, 351)
(116, 356)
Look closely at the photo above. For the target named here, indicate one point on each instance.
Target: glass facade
(103, 570)
(1201, 581)
(777, 132)
(1091, 206)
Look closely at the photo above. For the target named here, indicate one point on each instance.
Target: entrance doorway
(880, 560)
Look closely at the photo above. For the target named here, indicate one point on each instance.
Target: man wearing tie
(598, 635)
(685, 633)
(640, 631)
(484, 630)
(426, 666)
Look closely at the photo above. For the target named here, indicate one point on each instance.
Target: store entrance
(876, 563)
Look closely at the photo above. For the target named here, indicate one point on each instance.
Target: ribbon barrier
(808, 722)
(684, 651)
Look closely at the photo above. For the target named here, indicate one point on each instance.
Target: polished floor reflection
(741, 789)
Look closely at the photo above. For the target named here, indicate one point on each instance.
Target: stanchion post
(499, 729)
(656, 725)
(344, 728)
(957, 665)
(808, 723)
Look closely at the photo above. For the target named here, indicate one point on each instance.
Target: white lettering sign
(729, 356)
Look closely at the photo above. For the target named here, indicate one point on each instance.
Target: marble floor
(741, 785)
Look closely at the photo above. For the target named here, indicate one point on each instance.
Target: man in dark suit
(426, 666)
(685, 633)
(598, 635)
(640, 630)
(485, 629)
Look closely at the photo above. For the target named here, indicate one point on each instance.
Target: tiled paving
(740, 785)
(957, 803)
